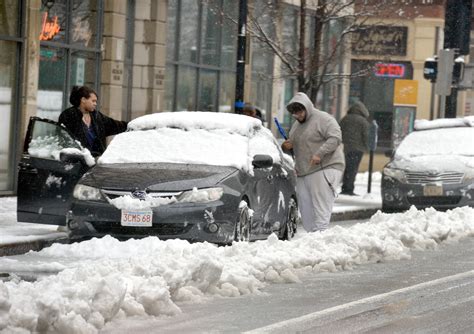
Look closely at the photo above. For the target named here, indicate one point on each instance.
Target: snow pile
(51, 147)
(185, 120)
(170, 145)
(217, 147)
(445, 142)
(113, 280)
(193, 196)
(424, 124)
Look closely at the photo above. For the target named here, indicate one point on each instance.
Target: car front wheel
(242, 226)
(291, 221)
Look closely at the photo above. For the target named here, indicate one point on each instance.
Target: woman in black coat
(88, 125)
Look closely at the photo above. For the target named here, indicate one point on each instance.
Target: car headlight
(87, 193)
(201, 195)
(397, 174)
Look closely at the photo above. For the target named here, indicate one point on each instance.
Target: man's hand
(315, 160)
(287, 145)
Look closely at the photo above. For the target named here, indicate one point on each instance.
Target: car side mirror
(262, 161)
(72, 158)
(388, 153)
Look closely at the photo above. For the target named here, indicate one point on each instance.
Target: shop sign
(405, 92)
(380, 40)
(49, 28)
(389, 70)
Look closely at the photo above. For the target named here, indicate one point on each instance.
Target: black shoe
(351, 193)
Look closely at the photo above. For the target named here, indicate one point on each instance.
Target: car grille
(433, 200)
(111, 194)
(158, 229)
(425, 178)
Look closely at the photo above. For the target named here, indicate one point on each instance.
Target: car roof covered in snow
(423, 124)
(188, 120)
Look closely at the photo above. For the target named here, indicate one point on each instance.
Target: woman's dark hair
(78, 92)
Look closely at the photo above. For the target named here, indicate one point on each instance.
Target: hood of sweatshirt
(303, 99)
(359, 108)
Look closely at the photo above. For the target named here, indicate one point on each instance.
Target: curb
(37, 245)
(350, 215)
(24, 247)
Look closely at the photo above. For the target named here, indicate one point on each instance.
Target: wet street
(431, 292)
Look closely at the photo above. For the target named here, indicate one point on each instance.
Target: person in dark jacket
(89, 126)
(355, 137)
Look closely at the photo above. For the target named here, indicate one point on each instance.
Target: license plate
(136, 218)
(432, 190)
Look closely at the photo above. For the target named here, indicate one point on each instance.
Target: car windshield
(447, 141)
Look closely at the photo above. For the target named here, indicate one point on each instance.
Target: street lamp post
(241, 45)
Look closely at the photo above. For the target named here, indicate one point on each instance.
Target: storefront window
(188, 45)
(376, 91)
(210, 36)
(8, 22)
(8, 77)
(83, 66)
(172, 30)
(207, 91)
(70, 52)
(169, 86)
(11, 44)
(227, 92)
(229, 34)
(202, 51)
(84, 23)
(187, 88)
(51, 82)
(53, 21)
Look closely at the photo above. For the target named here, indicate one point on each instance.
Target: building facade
(118, 47)
(145, 56)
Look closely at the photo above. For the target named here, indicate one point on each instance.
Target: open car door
(48, 172)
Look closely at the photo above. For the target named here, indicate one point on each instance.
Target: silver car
(432, 167)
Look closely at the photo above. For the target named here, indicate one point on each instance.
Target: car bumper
(186, 221)
(397, 195)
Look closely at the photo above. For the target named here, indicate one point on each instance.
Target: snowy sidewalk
(16, 238)
(362, 206)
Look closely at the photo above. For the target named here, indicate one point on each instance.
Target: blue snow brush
(280, 129)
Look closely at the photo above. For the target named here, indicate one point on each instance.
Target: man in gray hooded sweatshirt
(316, 141)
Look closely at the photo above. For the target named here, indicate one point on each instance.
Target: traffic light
(458, 70)
(430, 69)
(457, 25)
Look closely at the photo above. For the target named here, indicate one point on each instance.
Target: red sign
(49, 28)
(389, 70)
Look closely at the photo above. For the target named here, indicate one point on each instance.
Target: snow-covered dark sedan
(432, 167)
(196, 176)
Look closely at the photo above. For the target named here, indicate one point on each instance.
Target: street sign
(444, 79)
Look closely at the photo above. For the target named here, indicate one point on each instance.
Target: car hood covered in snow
(155, 176)
(434, 163)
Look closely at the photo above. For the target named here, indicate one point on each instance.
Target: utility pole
(241, 50)
(457, 29)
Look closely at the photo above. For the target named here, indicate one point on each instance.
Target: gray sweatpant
(316, 198)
